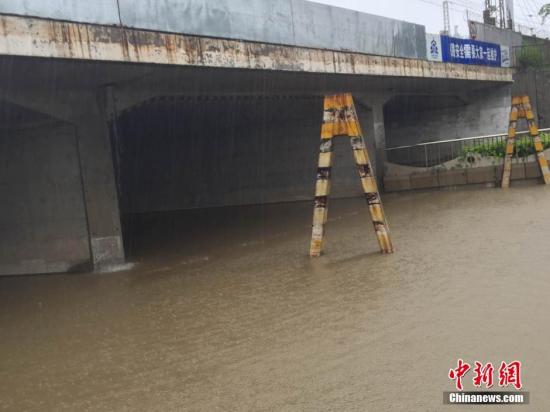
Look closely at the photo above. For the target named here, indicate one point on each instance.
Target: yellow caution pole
(521, 109)
(340, 119)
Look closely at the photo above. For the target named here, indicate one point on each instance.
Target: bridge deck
(33, 37)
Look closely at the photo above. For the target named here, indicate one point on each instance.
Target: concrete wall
(419, 178)
(290, 22)
(320, 26)
(95, 11)
(541, 97)
(492, 34)
(417, 119)
(190, 154)
(534, 82)
(259, 20)
(42, 212)
(525, 82)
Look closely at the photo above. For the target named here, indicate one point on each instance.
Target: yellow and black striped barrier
(340, 119)
(521, 109)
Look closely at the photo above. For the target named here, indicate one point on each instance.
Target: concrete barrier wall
(42, 212)
(320, 26)
(434, 179)
(84, 11)
(257, 20)
(473, 114)
(291, 22)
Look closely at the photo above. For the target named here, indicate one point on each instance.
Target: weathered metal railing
(434, 153)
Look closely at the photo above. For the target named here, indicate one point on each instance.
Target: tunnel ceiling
(419, 103)
(246, 109)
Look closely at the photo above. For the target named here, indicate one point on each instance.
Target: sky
(430, 13)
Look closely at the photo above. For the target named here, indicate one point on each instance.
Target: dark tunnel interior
(177, 159)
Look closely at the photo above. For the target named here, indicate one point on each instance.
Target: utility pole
(501, 14)
(488, 17)
(510, 14)
(446, 19)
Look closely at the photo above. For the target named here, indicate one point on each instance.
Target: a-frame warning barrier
(521, 109)
(340, 119)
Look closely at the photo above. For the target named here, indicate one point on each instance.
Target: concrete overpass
(118, 108)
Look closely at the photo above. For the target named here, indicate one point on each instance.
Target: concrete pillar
(82, 109)
(365, 119)
(100, 192)
(371, 115)
(379, 129)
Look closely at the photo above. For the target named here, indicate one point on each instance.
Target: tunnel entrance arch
(177, 156)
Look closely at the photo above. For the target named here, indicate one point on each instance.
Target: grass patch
(524, 147)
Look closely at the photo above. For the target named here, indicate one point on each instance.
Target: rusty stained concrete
(32, 37)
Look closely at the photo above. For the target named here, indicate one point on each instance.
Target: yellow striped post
(340, 119)
(521, 109)
(510, 145)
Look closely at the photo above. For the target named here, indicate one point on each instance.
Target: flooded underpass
(224, 310)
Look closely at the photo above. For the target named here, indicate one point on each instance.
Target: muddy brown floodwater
(225, 311)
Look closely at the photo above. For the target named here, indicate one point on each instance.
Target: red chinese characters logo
(458, 373)
(510, 374)
(483, 374)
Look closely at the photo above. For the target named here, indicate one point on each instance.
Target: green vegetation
(524, 147)
(531, 56)
(544, 12)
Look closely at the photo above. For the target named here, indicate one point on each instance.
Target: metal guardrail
(436, 152)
